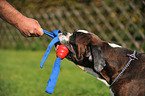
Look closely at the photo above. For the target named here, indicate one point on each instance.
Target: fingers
(36, 32)
(39, 30)
(30, 28)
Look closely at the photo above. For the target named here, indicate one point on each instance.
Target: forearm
(27, 26)
(9, 13)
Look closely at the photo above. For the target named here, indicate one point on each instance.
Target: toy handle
(48, 51)
(53, 35)
(48, 33)
(54, 76)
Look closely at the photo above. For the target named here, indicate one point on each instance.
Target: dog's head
(84, 49)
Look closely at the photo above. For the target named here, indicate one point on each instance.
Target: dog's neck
(115, 59)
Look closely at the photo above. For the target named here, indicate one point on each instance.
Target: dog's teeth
(57, 47)
(90, 58)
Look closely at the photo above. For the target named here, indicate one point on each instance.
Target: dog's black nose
(65, 33)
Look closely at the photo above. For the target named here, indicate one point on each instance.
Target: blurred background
(121, 22)
(117, 21)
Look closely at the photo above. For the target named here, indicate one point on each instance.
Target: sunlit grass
(21, 75)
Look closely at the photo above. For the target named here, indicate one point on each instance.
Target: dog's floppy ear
(99, 62)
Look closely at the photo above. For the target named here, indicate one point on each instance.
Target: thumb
(40, 31)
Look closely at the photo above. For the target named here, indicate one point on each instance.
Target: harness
(131, 57)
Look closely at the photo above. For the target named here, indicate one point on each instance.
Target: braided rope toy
(61, 53)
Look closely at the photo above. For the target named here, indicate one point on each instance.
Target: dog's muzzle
(64, 37)
(65, 40)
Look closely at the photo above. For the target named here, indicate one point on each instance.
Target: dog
(106, 61)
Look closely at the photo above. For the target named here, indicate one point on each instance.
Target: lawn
(21, 75)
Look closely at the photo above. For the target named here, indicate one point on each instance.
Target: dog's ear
(97, 55)
(98, 59)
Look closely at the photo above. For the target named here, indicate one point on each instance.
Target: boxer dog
(121, 69)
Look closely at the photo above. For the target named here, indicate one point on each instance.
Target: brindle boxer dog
(107, 62)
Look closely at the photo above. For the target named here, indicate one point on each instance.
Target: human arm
(27, 26)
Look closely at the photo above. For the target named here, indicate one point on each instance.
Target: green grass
(20, 75)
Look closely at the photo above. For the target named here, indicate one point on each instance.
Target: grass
(20, 75)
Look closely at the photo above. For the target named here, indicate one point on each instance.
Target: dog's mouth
(65, 40)
(69, 41)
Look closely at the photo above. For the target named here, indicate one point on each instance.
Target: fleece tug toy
(61, 53)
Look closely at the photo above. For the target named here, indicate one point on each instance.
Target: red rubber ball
(62, 51)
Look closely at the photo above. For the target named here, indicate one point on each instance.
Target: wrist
(18, 20)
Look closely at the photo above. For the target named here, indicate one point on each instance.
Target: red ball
(62, 51)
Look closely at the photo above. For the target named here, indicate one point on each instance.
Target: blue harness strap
(56, 67)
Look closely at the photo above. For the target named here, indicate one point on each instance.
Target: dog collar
(131, 57)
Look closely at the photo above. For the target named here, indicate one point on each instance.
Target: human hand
(29, 27)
